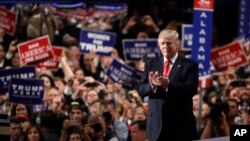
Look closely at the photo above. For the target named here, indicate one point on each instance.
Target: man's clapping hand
(156, 80)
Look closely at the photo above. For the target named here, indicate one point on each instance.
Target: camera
(92, 84)
(74, 123)
(81, 81)
(217, 108)
(97, 127)
(138, 17)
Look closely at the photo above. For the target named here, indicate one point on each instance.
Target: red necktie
(166, 69)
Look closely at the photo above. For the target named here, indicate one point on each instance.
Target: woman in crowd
(76, 134)
(48, 81)
(20, 108)
(33, 133)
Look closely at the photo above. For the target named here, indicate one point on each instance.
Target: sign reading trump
(27, 91)
(23, 72)
(101, 43)
(36, 50)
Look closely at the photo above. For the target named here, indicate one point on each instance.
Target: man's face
(56, 103)
(76, 114)
(15, 131)
(52, 93)
(74, 52)
(92, 96)
(196, 101)
(168, 46)
(233, 109)
(137, 135)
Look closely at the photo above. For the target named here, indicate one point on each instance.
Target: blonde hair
(168, 33)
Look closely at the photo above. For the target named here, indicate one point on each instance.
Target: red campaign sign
(64, 12)
(53, 64)
(7, 20)
(80, 14)
(204, 4)
(36, 50)
(103, 12)
(228, 56)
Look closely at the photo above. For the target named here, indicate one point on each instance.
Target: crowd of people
(81, 103)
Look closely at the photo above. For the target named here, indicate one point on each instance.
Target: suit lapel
(175, 68)
(160, 66)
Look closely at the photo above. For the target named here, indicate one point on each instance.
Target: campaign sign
(26, 91)
(64, 12)
(36, 50)
(134, 49)
(244, 18)
(202, 34)
(53, 64)
(70, 5)
(230, 55)
(121, 73)
(80, 14)
(101, 43)
(7, 20)
(187, 37)
(204, 4)
(23, 72)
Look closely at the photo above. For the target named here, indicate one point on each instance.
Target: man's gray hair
(168, 33)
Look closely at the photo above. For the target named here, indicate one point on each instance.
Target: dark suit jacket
(170, 113)
(7, 62)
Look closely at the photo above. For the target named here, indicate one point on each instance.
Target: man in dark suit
(170, 89)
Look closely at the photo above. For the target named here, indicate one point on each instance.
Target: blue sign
(134, 49)
(23, 72)
(68, 4)
(100, 42)
(26, 91)
(202, 41)
(63, 1)
(110, 7)
(122, 74)
(187, 37)
(244, 18)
